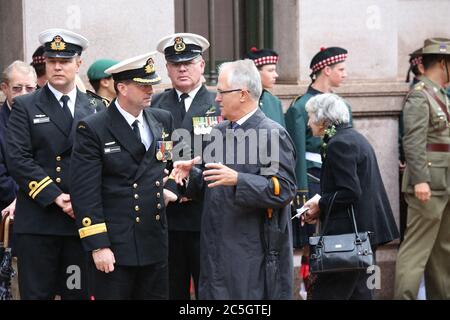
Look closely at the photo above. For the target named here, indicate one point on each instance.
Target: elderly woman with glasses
(350, 169)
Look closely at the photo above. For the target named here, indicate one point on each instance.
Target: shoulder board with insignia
(93, 94)
(419, 86)
(97, 98)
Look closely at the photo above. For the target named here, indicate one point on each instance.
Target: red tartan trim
(332, 60)
(266, 60)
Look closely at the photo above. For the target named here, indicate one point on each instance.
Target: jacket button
(158, 195)
(158, 206)
(58, 158)
(135, 185)
(157, 183)
(58, 169)
(429, 164)
(58, 180)
(138, 220)
(158, 217)
(136, 196)
(136, 208)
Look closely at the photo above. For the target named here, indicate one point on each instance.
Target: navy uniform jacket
(117, 187)
(39, 144)
(351, 169)
(8, 187)
(186, 216)
(234, 260)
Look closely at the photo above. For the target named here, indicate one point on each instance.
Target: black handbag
(339, 253)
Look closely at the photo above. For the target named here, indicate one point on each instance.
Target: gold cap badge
(149, 66)
(58, 44)
(179, 45)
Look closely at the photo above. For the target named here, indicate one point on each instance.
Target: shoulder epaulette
(419, 86)
(96, 97)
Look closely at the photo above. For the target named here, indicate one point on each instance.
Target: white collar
(191, 94)
(128, 116)
(72, 94)
(246, 117)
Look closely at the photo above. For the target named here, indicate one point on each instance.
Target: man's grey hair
(329, 108)
(20, 67)
(243, 74)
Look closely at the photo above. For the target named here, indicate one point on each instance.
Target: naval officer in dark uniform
(193, 109)
(39, 144)
(118, 170)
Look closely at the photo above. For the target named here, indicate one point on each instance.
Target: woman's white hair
(244, 74)
(329, 108)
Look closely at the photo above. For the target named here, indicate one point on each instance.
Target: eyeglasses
(222, 92)
(19, 89)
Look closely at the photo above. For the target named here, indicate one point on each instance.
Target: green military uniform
(297, 125)
(96, 72)
(105, 102)
(426, 143)
(272, 108)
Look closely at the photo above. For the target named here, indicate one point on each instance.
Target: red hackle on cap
(322, 48)
(254, 49)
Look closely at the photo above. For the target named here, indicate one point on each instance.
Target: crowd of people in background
(109, 180)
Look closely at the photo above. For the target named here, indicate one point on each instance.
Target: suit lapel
(120, 129)
(198, 108)
(173, 107)
(82, 110)
(50, 106)
(156, 129)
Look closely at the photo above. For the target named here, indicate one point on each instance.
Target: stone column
(286, 40)
(11, 32)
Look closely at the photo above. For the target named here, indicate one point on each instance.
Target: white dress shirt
(72, 98)
(146, 134)
(188, 101)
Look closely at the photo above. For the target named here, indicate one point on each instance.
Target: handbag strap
(351, 214)
(355, 227)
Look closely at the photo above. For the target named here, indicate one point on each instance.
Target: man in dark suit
(118, 169)
(18, 79)
(193, 109)
(39, 143)
(246, 244)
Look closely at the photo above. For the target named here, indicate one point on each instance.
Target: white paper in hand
(303, 209)
(300, 211)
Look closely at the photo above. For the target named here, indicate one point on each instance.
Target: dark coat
(235, 262)
(351, 168)
(186, 216)
(117, 187)
(39, 145)
(8, 187)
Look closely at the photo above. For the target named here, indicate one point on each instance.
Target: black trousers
(51, 265)
(130, 282)
(184, 262)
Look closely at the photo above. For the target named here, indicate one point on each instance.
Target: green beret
(97, 70)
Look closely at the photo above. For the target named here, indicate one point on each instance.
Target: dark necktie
(183, 105)
(234, 125)
(136, 131)
(64, 99)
